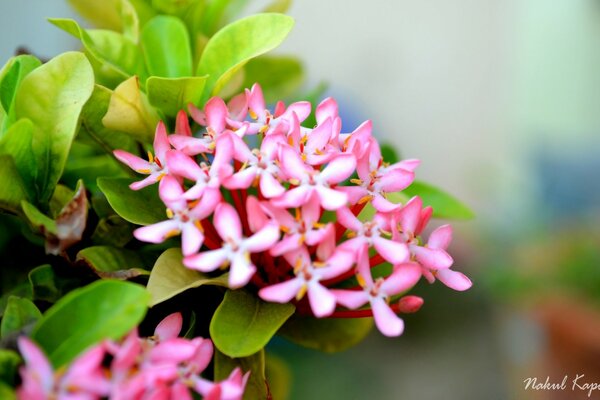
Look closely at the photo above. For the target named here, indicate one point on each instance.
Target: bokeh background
(500, 99)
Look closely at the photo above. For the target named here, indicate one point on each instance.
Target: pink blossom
(236, 248)
(156, 166)
(231, 388)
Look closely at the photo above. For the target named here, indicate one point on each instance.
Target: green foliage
(444, 205)
(52, 97)
(169, 277)
(166, 47)
(243, 324)
(142, 207)
(256, 388)
(279, 76)
(328, 334)
(104, 309)
(12, 189)
(11, 77)
(173, 94)
(234, 45)
(112, 262)
(19, 313)
(9, 363)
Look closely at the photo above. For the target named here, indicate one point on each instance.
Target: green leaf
(243, 324)
(279, 76)
(169, 277)
(104, 309)
(230, 48)
(112, 231)
(89, 168)
(9, 363)
(173, 94)
(11, 76)
(142, 207)
(129, 20)
(52, 97)
(61, 196)
(129, 111)
(444, 205)
(256, 388)
(17, 142)
(40, 221)
(166, 46)
(19, 313)
(92, 127)
(173, 7)
(113, 56)
(326, 334)
(389, 153)
(278, 6)
(102, 14)
(44, 283)
(7, 392)
(112, 262)
(12, 189)
(279, 377)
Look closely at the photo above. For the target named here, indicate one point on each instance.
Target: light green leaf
(89, 168)
(129, 111)
(243, 324)
(444, 205)
(326, 334)
(112, 231)
(169, 277)
(11, 76)
(166, 47)
(108, 261)
(278, 6)
(61, 196)
(38, 219)
(129, 20)
(19, 313)
(279, 377)
(93, 128)
(256, 388)
(174, 7)
(52, 97)
(17, 142)
(173, 94)
(230, 48)
(279, 76)
(9, 363)
(105, 309)
(44, 283)
(142, 207)
(7, 392)
(12, 189)
(103, 14)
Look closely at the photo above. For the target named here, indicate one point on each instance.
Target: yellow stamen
(301, 292)
(198, 225)
(318, 225)
(298, 265)
(361, 281)
(171, 233)
(150, 157)
(319, 264)
(301, 240)
(144, 171)
(303, 156)
(356, 181)
(298, 215)
(351, 235)
(365, 199)
(284, 229)
(252, 114)
(294, 181)
(170, 213)
(160, 177)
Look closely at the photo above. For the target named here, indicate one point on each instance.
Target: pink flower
(236, 248)
(309, 180)
(156, 166)
(371, 234)
(231, 388)
(309, 275)
(184, 217)
(378, 292)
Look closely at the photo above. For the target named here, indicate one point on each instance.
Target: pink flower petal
(454, 279)
(269, 186)
(393, 252)
(293, 198)
(339, 169)
(328, 108)
(347, 219)
(191, 239)
(300, 108)
(354, 193)
(432, 258)
(134, 162)
(281, 292)
(322, 301)
(149, 180)
(170, 190)
(207, 261)
(263, 239)
(175, 350)
(440, 238)
(227, 222)
(350, 298)
(182, 165)
(383, 205)
(410, 215)
(386, 320)
(169, 327)
(331, 199)
(157, 233)
(182, 124)
(161, 141)
(36, 363)
(241, 270)
(242, 179)
(256, 100)
(404, 277)
(395, 180)
(256, 215)
(216, 112)
(291, 163)
(191, 146)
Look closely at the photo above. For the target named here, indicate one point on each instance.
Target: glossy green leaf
(169, 277)
(108, 261)
(230, 48)
(129, 20)
(130, 112)
(11, 76)
(142, 207)
(9, 363)
(256, 388)
(43, 283)
(279, 76)
(93, 128)
(61, 196)
(243, 324)
(166, 47)
(89, 168)
(173, 7)
(103, 14)
(444, 205)
(40, 221)
(52, 97)
(213, 15)
(17, 142)
(113, 56)
(326, 334)
(173, 94)
(102, 310)
(12, 189)
(19, 313)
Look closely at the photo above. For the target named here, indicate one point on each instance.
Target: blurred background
(501, 102)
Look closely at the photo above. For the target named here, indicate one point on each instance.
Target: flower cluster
(163, 366)
(279, 205)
